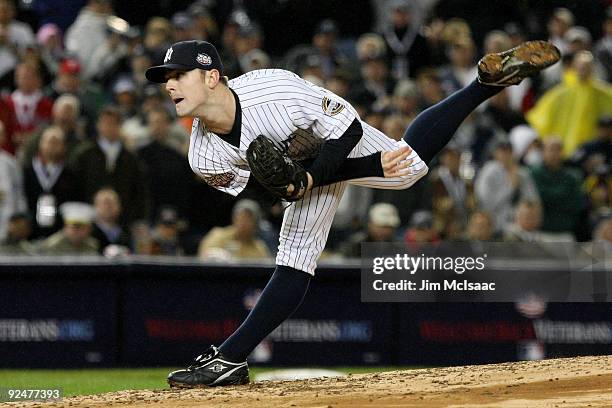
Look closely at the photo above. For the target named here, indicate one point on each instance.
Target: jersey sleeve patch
(219, 180)
(331, 107)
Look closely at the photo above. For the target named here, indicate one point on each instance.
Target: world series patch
(204, 59)
(219, 180)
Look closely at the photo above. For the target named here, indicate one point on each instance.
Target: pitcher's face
(187, 90)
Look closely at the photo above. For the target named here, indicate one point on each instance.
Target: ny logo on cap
(168, 55)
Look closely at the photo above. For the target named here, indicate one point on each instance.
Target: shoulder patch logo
(168, 55)
(331, 107)
(204, 59)
(219, 180)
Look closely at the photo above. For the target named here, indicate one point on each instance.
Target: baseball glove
(275, 170)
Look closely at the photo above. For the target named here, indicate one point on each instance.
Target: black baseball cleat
(512, 66)
(210, 369)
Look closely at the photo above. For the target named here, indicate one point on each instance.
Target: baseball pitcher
(305, 144)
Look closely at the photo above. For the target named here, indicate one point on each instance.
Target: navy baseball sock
(433, 128)
(280, 298)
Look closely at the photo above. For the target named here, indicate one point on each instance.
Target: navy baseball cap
(185, 56)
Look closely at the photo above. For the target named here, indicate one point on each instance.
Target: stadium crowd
(93, 158)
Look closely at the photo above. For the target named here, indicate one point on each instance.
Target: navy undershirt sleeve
(333, 153)
(354, 168)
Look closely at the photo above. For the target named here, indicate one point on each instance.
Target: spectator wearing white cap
(577, 39)
(526, 146)
(383, 221)
(580, 39)
(125, 96)
(75, 238)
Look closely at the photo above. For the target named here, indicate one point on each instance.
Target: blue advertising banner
(143, 312)
(473, 333)
(51, 323)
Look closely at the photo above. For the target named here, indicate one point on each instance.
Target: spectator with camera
(89, 31)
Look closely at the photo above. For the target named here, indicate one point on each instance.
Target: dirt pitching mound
(568, 382)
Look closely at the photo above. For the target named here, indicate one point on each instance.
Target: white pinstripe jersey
(301, 116)
(275, 103)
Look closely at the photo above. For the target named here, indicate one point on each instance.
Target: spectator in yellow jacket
(572, 108)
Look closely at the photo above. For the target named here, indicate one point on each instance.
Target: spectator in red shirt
(27, 104)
